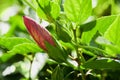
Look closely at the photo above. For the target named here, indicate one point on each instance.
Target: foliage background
(18, 49)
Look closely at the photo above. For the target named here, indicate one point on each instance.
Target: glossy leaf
(56, 53)
(113, 32)
(55, 10)
(41, 13)
(102, 64)
(22, 49)
(44, 3)
(115, 9)
(63, 34)
(48, 9)
(86, 10)
(41, 8)
(57, 74)
(10, 42)
(102, 8)
(17, 21)
(78, 10)
(111, 49)
(90, 29)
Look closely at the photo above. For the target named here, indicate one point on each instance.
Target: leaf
(56, 52)
(115, 9)
(57, 74)
(78, 10)
(57, 1)
(102, 8)
(63, 34)
(112, 35)
(22, 49)
(55, 10)
(44, 3)
(67, 45)
(10, 42)
(41, 13)
(106, 22)
(102, 64)
(42, 8)
(48, 9)
(89, 29)
(86, 10)
(111, 49)
(113, 32)
(17, 21)
(72, 9)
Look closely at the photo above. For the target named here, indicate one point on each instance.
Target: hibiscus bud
(39, 33)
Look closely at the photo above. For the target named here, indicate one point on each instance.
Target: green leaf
(57, 1)
(90, 29)
(43, 9)
(10, 42)
(48, 9)
(115, 9)
(113, 32)
(22, 49)
(106, 22)
(102, 64)
(72, 9)
(17, 21)
(44, 3)
(86, 10)
(55, 10)
(63, 34)
(41, 13)
(57, 74)
(78, 10)
(102, 8)
(111, 49)
(67, 45)
(112, 35)
(56, 52)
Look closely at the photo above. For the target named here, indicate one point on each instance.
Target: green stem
(68, 75)
(83, 74)
(93, 48)
(82, 57)
(103, 75)
(79, 55)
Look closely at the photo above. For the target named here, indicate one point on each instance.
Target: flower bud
(39, 33)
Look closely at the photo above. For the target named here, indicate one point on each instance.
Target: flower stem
(80, 57)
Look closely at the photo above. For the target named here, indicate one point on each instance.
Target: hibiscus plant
(74, 44)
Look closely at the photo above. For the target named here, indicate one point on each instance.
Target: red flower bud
(39, 33)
